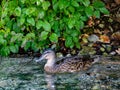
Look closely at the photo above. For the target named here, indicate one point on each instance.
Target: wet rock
(101, 25)
(93, 38)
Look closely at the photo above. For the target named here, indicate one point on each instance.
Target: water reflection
(50, 80)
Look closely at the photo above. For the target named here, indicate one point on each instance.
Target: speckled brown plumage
(66, 64)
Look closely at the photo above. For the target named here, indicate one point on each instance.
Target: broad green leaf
(55, 6)
(97, 14)
(75, 3)
(78, 45)
(56, 28)
(2, 40)
(27, 46)
(30, 35)
(24, 41)
(98, 4)
(44, 35)
(81, 23)
(63, 4)
(69, 42)
(84, 18)
(104, 10)
(76, 39)
(21, 21)
(45, 5)
(29, 11)
(53, 38)
(39, 24)
(14, 38)
(14, 48)
(86, 2)
(89, 11)
(71, 9)
(81, 8)
(71, 23)
(74, 33)
(41, 14)
(18, 11)
(31, 21)
(22, 1)
(34, 46)
(5, 51)
(16, 28)
(46, 26)
(4, 13)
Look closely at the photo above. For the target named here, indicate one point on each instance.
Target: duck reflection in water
(50, 80)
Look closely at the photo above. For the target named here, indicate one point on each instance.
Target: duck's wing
(72, 64)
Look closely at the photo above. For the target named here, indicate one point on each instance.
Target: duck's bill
(40, 59)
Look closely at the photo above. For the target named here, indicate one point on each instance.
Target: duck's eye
(47, 52)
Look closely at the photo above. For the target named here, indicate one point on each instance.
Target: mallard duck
(66, 64)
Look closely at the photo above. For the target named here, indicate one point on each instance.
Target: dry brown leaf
(106, 31)
(117, 1)
(97, 31)
(116, 36)
(104, 39)
(90, 22)
(118, 51)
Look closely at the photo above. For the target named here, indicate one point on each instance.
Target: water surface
(26, 74)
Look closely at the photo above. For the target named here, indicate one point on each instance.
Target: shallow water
(25, 74)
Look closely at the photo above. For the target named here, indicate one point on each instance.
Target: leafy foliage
(34, 24)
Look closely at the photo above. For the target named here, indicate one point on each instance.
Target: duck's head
(47, 55)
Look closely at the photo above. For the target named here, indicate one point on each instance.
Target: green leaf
(104, 10)
(63, 4)
(81, 23)
(53, 38)
(55, 6)
(39, 24)
(84, 18)
(76, 39)
(30, 35)
(15, 27)
(41, 14)
(44, 35)
(97, 14)
(29, 11)
(14, 38)
(31, 21)
(2, 41)
(46, 26)
(34, 46)
(89, 11)
(75, 3)
(86, 2)
(21, 21)
(69, 42)
(74, 33)
(27, 46)
(98, 4)
(18, 11)
(71, 23)
(77, 45)
(24, 41)
(5, 51)
(45, 5)
(14, 48)
(71, 9)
